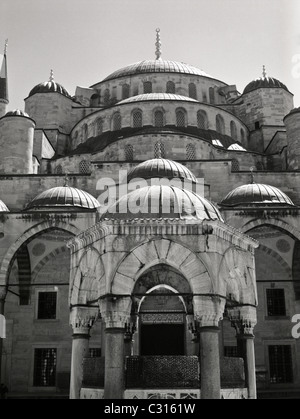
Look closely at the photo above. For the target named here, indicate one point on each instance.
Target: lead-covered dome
(161, 168)
(63, 197)
(156, 66)
(167, 202)
(50, 87)
(256, 195)
(264, 83)
(17, 112)
(157, 96)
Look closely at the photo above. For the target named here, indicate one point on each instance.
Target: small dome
(3, 207)
(62, 197)
(156, 66)
(50, 87)
(256, 194)
(161, 168)
(157, 96)
(264, 83)
(17, 112)
(157, 202)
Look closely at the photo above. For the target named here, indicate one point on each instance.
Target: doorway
(162, 339)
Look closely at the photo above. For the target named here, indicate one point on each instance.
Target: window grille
(125, 91)
(129, 153)
(231, 351)
(243, 137)
(45, 367)
(85, 132)
(106, 97)
(180, 118)
(58, 170)
(99, 126)
(202, 120)
(95, 352)
(212, 95)
(159, 119)
(220, 124)
(233, 130)
(171, 87)
(281, 364)
(85, 166)
(47, 305)
(159, 150)
(276, 302)
(190, 152)
(147, 87)
(117, 122)
(259, 165)
(235, 165)
(137, 118)
(192, 91)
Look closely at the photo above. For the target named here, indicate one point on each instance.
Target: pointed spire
(158, 45)
(3, 78)
(264, 72)
(51, 78)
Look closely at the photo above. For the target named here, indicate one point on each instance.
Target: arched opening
(163, 300)
(170, 87)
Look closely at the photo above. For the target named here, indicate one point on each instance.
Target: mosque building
(180, 278)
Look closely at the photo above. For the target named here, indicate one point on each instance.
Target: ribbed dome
(156, 66)
(161, 168)
(157, 202)
(49, 87)
(264, 83)
(256, 194)
(62, 197)
(3, 207)
(17, 112)
(157, 96)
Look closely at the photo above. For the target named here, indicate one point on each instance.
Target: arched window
(212, 95)
(147, 87)
(159, 150)
(85, 132)
(170, 87)
(128, 151)
(190, 152)
(58, 170)
(192, 91)
(235, 165)
(116, 122)
(259, 165)
(99, 126)
(180, 118)
(202, 121)
(243, 137)
(137, 118)
(159, 119)
(95, 100)
(204, 95)
(233, 130)
(220, 124)
(125, 91)
(85, 166)
(106, 97)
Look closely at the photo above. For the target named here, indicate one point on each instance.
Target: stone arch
(162, 251)
(278, 258)
(46, 259)
(246, 228)
(88, 283)
(28, 235)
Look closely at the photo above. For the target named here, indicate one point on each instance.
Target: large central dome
(156, 66)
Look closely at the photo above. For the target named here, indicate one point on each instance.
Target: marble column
(208, 312)
(82, 319)
(116, 314)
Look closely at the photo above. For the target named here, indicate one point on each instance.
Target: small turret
(3, 84)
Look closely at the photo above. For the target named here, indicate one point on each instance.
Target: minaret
(3, 83)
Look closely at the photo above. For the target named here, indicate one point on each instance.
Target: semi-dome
(264, 83)
(162, 201)
(157, 96)
(50, 87)
(161, 168)
(256, 195)
(156, 66)
(17, 112)
(62, 197)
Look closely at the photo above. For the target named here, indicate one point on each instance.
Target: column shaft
(80, 350)
(2, 302)
(210, 363)
(246, 343)
(114, 364)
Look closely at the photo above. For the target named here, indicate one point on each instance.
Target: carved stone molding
(243, 319)
(82, 319)
(115, 311)
(208, 311)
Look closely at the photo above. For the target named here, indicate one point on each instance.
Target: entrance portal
(162, 339)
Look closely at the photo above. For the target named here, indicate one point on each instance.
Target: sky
(83, 41)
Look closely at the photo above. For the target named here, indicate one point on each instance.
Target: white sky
(85, 40)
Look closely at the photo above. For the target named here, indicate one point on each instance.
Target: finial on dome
(5, 46)
(158, 45)
(252, 175)
(264, 72)
(51, 78)
(66, 180)
(159, 151)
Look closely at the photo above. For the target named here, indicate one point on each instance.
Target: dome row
(160, 201)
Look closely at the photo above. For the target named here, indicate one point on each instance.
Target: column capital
(208, 311)
(83, 318)
(243, 319)
(115, 311)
